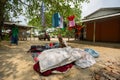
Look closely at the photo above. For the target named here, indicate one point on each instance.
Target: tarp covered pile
(62, 59)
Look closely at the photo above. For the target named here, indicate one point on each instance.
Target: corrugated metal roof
(11, 23)
(102, 13)
(86, 20)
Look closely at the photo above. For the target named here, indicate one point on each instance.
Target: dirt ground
(17, 64)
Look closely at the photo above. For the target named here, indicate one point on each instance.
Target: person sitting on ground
(62, 43)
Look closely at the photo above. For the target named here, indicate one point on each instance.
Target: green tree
(9, 9)
(2, 9)
(32, 9)
(64, 7)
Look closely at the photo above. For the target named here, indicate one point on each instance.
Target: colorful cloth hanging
(61, 22)
(71, 21)
(56, 20)
(64, 26)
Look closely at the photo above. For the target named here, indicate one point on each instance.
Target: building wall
(89, 31)
(107, 30)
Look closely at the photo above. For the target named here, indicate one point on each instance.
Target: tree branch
(23, 3)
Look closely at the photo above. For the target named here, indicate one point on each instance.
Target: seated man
(61, 41)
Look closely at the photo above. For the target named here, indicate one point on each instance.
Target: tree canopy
(32, 10)
(64, 7)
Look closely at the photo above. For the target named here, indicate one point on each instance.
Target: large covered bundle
(53, 58)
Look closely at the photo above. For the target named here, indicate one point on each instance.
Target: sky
(93, 5)
(88, 8)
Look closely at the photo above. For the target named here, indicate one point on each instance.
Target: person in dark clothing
(46, 36)
(81, 35)
(77, 31)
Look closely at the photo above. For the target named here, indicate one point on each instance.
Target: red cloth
(64, 68)
(35, 59)
(51, 44)
(71, 18)
(36, 67)
(71, 21)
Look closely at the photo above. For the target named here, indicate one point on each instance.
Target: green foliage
(64, 33)
(13, 8)
(6, 37)
(64, 7)
(32, 10)
(35, 22)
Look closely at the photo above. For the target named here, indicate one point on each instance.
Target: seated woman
(61, 41)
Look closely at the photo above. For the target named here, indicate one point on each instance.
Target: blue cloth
(56, 45)
(56, 20)
(14, 40)
(92, 52)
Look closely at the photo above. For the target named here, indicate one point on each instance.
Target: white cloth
(53, 58)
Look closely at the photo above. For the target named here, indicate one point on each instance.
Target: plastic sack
(92, 52)
(53, 58)
(86, 60)
(57, 57)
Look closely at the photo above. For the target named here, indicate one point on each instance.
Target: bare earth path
(16, 64)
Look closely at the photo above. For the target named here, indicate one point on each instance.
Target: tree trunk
(2, 8)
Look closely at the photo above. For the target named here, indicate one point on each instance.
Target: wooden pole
(94, 30)
(30, 34)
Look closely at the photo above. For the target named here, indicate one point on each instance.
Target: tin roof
(102, 13)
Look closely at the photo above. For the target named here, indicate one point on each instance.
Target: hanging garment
(64, 26)
(56, 20)
(71, 21)
(61, 22)
(70, 18)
